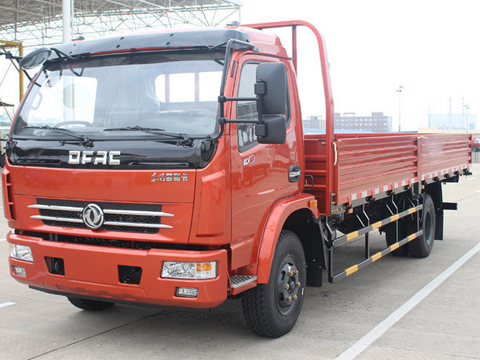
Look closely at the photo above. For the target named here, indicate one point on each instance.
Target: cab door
(260, 172)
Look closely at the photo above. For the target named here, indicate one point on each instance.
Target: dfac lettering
(93, 157)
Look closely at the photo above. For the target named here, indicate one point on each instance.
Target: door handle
(294, 173)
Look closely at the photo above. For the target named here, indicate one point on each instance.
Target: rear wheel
(272, 309)
(422, 246)
(91, 305)
(391, 238)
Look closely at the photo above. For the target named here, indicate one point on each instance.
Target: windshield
(117, 95)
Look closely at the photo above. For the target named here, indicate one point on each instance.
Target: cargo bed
(368, 166)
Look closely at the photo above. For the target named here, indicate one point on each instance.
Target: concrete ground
(343, 318)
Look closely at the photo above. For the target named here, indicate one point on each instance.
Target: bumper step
(240, 283)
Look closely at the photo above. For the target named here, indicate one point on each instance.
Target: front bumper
(93, 271)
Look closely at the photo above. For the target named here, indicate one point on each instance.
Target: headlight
(21, 252)
(187, 270)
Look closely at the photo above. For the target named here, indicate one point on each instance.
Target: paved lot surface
(444, 325)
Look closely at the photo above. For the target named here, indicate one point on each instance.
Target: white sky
(432, 48)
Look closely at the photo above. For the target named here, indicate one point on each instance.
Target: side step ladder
(355, 235)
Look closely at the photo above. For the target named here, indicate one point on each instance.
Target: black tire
(90, 305)
(422, 246)
(390, 237)
(272, 309)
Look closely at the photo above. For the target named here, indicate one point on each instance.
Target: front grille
(135, 218)
(113, 243)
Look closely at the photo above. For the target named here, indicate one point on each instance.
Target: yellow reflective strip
(351, 270)
(376, 256)
(394, 246)
(411, 237)
(412, 210)
(395, 217)
(376, 225)
(352, 235)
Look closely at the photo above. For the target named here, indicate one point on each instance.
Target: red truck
(171, 168)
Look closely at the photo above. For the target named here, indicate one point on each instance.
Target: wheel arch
(309, 231)
(296, 215)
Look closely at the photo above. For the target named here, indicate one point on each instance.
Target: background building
(314, 122)
(349, 122)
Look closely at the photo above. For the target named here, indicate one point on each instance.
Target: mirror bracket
(261, 130)
(260, 88)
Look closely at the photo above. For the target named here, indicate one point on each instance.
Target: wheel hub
(288, 287)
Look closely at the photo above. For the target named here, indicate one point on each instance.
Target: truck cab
(128, 179)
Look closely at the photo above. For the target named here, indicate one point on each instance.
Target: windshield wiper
(82, 138)
(184, 139)
(134, 128)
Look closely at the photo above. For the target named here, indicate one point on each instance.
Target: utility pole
(465, 107)
(399, 91)
(67, 11)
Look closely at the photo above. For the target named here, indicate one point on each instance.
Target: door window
(247, 110)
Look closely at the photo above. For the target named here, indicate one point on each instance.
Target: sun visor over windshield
(205, 38)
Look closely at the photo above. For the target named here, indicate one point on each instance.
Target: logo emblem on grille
(93, 216)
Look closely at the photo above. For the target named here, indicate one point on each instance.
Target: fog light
(19, 271)
(186, 292)
(21, 252)
(187, 270)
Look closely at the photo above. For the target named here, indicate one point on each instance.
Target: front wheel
(272, 309)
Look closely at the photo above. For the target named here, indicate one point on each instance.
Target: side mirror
(272, 130)
(271, 89)
(35, 58)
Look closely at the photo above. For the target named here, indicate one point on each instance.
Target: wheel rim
(288, 286)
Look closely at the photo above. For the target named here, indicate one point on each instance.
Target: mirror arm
(237, 121)
(215, 137)
(60, 54)
(222, 98)
(10, 56)
(28, 76)
(228, 58)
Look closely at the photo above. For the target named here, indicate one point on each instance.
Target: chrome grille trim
(54, 218)
(105, 211)
(151, 226)
(136, 212)
(55, 207)
(120, 219)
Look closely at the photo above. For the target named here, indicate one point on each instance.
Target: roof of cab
(171, 39)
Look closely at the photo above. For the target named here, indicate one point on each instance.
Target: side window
(248, 109)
